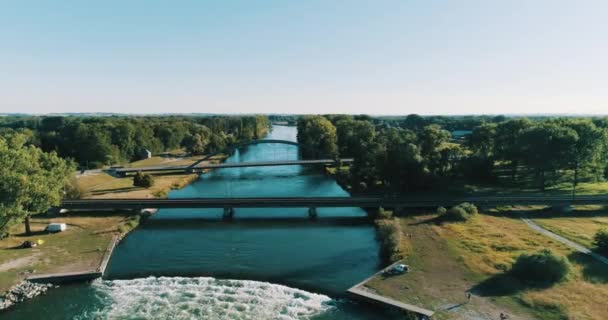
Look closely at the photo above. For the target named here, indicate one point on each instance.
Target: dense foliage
(601, 240)
(317, 137)
(417, 153)
(143, 180)
(461, 212)
(541, 268)
(31, 181)
(96, 141)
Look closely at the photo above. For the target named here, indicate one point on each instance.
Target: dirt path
(533, 225)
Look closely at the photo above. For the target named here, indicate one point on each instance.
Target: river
(265, 264)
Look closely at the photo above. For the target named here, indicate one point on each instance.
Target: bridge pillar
(228, 212)
(312, 212)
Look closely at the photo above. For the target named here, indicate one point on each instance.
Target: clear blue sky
(313, 56)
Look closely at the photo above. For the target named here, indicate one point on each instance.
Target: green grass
(79, 248)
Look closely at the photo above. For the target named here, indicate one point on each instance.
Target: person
(468, 296)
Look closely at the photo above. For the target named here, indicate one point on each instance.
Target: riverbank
(101, 185)
(81, 247)
(451, 259)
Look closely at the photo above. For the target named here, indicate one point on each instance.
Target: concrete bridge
(229, 204)
(197, 166)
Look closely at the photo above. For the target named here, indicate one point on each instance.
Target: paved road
(565, 241)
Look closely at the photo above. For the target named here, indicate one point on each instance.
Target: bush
(143, 180)
(601, 240)
(461, 212)
(441, 211)
(390, 236)
(542, 268)
(384, 214)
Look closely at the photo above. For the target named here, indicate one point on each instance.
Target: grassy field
(102, 185)
(449, 259)
(79, 248)
(580, 225)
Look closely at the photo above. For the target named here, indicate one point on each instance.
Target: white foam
(206, 298)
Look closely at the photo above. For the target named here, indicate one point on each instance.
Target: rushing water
(265, 264)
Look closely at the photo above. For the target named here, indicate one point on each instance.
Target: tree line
(38, 155)
(96, 141)
(412, 153)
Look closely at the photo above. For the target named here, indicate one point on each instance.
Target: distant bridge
(197, 166)
(316, 202)
(190, 168)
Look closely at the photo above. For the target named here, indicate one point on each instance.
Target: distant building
(145, 154)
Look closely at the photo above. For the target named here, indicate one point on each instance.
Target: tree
(481, 141)
(431, 140)
(587, 149)
(196, 144)
(143, 180)
(31, 181)
(508, 142)
(547, 147)
(318, 137)
(601, 240)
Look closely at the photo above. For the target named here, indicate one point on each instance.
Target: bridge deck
(233, 165)
(303, 202)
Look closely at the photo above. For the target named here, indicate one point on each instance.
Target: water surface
(265, 264)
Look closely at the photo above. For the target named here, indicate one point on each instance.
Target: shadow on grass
(505, 284)
(593, 270)
(31, 234)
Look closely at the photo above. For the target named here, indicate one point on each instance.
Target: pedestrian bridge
(201, 167)
(198, 166)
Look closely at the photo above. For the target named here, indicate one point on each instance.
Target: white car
(398, 269)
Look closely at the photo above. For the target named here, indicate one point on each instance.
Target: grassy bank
(449, 259)
(102, 185)
(80, 248)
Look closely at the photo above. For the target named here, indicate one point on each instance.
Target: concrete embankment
(40, 284)
(66, 277)
(361, 292)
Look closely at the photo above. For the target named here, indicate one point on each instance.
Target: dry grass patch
(489, 244)
(579, 226)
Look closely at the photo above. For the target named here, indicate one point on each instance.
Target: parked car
(398, 269)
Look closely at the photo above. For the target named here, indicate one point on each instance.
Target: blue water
(277, 264)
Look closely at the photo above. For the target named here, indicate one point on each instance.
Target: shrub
(390, 236)
(384, 214)
(601, 240)
(143, 180)
(441, 211)
(543, 267)
(461, 212)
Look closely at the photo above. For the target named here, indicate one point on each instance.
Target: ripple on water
(206, 298)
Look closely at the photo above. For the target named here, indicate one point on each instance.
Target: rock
(21, 292)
